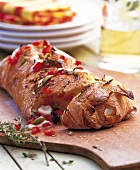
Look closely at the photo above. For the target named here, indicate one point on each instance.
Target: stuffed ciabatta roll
(41, 78)
(100, 104)
(45, 81)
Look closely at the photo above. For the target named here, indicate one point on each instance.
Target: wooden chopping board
(119, 146)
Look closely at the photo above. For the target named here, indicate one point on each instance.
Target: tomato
(31, 120)
(17, 126)
(48, 117)
(38, 66)
(77, 62)
(11, 61)
(37, 43)
(47, 48)
(46, 124)
(49, 132)
(46, 43)
(81, 68)
(47, 90)
(60, 72)
(51, 71)
(18, 53)
(35, 130)
(18, 10)
(62, 57)
(25, 48)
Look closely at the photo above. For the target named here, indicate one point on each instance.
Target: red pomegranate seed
(35, 130)
(49, 132)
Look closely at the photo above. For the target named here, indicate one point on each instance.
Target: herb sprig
(22, 135)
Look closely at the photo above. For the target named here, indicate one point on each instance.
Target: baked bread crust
(65, 78)
(100, 104)
(39, 76)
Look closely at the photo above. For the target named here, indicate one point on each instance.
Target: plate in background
(87, 12)
(63, 45)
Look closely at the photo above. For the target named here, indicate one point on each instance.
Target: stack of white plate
(84, 28)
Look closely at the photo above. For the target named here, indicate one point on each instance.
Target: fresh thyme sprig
(22, 135)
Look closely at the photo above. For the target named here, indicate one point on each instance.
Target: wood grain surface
(117, 147)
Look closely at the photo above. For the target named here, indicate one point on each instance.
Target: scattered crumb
(97, 139)
(82, 136)
(70, 133)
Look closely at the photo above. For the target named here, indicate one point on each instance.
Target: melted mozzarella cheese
(45, 110)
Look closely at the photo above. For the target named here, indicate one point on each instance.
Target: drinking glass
(120, 36)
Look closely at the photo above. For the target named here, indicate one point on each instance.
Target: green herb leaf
(30, 155)
(68, 162)
(44, 80)
(96, 147)
(21, 136)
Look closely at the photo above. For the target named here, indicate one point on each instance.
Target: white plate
(65, 45)
(21, 40)
(54, 33)
(87, 12)
(10, 47)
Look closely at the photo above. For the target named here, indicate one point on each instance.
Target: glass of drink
(120, 36)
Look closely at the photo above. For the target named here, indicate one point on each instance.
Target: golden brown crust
(39, 75)
(23, 84)
(100, 104)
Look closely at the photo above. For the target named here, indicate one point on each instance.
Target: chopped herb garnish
(29, 155)
(44, 80)
(24, 60)
(68, 162)
(52, 159)
(96, 147)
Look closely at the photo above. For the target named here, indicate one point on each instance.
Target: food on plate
(46, 82)
(34, 12)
